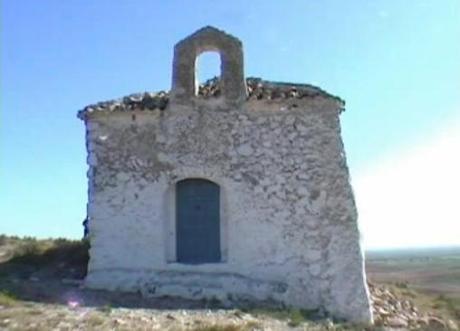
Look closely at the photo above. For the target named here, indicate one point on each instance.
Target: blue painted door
(197, 221)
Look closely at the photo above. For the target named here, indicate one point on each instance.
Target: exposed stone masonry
(257, 89)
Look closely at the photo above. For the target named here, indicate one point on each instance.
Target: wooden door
(197, 221)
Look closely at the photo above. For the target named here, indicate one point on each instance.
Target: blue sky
(396, 63)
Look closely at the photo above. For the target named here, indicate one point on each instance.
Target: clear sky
(396, 63)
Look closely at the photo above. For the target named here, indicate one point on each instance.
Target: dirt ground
(41, 289)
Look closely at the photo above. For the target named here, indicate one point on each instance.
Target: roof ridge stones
(257, 89)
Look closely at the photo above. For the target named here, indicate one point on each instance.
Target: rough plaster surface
(289, 230)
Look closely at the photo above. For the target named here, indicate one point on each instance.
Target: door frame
(171, 221)
(197, 232)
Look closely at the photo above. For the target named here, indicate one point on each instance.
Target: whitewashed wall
(289, 225)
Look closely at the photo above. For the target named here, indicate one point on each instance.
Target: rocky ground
(392, 309)
(69, 307)
(35, 316)
(40, 289)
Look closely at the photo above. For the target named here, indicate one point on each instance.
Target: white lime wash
(288, 231)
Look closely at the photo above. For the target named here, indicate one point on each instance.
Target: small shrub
(217, 327)
(452, 305)
(107, 309)
(409, 293)
(94, 320)
(3, 239)
(252, 325)
(403, 285)
(296, 318)
(213, 303)
(34, 311)
(7, 299)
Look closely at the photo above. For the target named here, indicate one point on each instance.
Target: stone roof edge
(205, 29)
(162, 97)
(300, 86)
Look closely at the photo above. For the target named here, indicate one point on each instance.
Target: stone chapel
(236, 190)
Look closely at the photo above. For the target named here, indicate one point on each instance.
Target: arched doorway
(197, 221)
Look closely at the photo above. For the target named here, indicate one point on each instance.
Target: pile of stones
(211, 88)
(257, 89)
(394, 311)
(138, 101)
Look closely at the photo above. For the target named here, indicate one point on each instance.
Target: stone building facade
(236, 190)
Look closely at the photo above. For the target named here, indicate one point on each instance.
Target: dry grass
(445, 306)
(21, 304)
(294, 317)
(225, 327)
(36, 252)
(94, 320)
(7, 299)
(22, 257)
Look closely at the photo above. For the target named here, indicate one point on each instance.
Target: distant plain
(430, 270)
